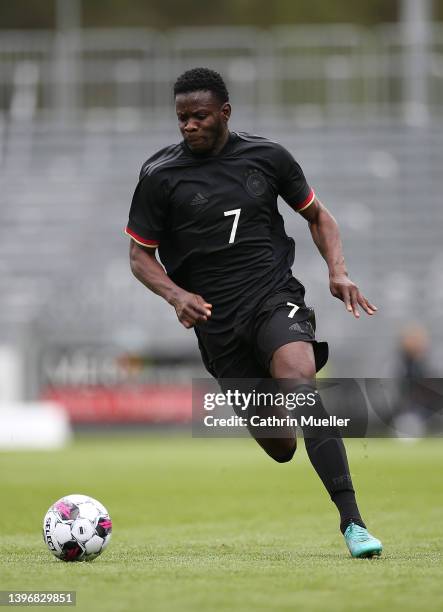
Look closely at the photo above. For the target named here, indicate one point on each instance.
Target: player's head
(203, 109)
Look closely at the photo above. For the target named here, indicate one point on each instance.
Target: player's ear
(226, 111)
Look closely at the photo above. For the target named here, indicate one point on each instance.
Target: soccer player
(209, 204)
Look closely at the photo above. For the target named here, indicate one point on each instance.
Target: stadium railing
(326, 71)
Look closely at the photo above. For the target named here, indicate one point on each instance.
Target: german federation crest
(255, 183)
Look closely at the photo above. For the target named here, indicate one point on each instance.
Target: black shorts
(246, 351)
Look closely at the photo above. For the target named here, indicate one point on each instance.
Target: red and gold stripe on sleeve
(142, 241)
(306, 202)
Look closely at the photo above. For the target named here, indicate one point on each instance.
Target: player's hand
(344, 289)
(191, 309)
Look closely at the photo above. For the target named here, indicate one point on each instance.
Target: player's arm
(326, 235)
(190, 308)
(148, 217)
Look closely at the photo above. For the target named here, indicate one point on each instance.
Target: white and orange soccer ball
(77, 528)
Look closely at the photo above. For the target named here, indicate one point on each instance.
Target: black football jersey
(216, 223)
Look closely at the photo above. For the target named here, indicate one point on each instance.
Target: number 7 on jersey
(236, 212)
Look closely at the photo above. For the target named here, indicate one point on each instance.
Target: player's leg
(295, 362)
(227, 356)
(279, 442)
(286, 345)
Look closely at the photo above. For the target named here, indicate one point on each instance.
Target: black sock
(328, 458)
(347, 506)
(327, 454)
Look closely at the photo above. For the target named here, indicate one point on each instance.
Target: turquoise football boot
(361, 543)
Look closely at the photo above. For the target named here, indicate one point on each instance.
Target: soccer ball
(77, 528)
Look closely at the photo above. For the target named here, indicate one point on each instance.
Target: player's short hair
(202, 79)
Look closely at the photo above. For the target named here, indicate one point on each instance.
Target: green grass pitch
(216, 525)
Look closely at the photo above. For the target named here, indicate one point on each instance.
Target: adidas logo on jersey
(199, 198)
(304, 327)
(296, 327)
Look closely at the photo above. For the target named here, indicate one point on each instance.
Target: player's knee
(292, 368)
(298, 371)
(295, 360)
(286, 455)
